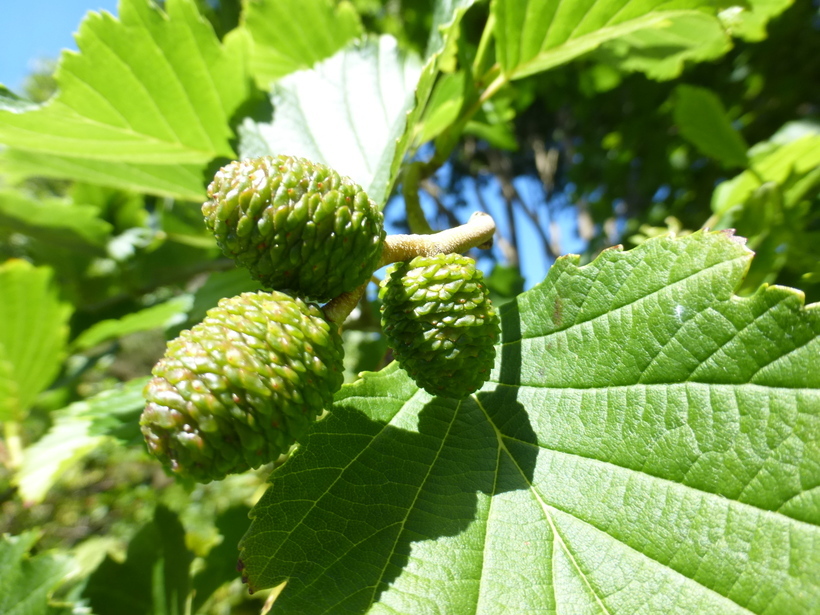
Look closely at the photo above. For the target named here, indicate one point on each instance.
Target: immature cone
(438, 319)
(296, 225)
(238, 389)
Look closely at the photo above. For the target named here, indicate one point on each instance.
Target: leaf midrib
(544, 508)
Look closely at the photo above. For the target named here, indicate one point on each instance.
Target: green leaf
(162, 316)
(152, 88)
(504, 283)
(155, 577)
(58, 222)
(358, 110)
(443, 107)
(180, 181)
(799, 157)
(647, 442)
(33, 333)
(77, 430)
(220, 563)
(25, 581)
(291, 35)
(447, 16)
(702, 121)
(536, 35)
(347, 112)
(662, 53)
(220, 285)
(749, 22)
(364, 351)
(11, 102)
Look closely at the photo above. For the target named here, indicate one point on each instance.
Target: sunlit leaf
(647, 442)
(161, 316)
(58, 222)
(149, 88)
(291, 35)
(76, 431)
(181, 181)
(447, 15)
(25, 580)
(662, 53)
(443, 107)
(536, 35)
(798, 157)
(33, 333)
(702, 120)
(748, 19)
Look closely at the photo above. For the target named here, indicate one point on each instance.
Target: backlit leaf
(33, 333)
(291, 35)
(150, 88)
(76, 431)
(536, 35)
(347, 112)
(702, 120)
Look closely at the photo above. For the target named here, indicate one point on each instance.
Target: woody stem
(476, 233)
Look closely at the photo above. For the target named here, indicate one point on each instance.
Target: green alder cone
(438, 318)
(296, 225)
(238, 389)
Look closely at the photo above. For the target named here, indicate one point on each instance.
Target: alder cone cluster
(296, 225)
(440, 323)
(238, 389)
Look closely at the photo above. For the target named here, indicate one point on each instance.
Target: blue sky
(32, 29)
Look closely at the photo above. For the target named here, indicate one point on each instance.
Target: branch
(476, 233)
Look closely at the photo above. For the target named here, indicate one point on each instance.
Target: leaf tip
(730, 233)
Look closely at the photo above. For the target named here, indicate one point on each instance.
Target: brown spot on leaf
(558, 311)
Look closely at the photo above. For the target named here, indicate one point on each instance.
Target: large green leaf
(702, 120)
(152, 88)
(347, 112)
(647, 442)
(26, 581)
(33, 333)
(535, 35)
(291, 35)
(77, 430)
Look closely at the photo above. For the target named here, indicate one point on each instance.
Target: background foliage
(648, 440)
